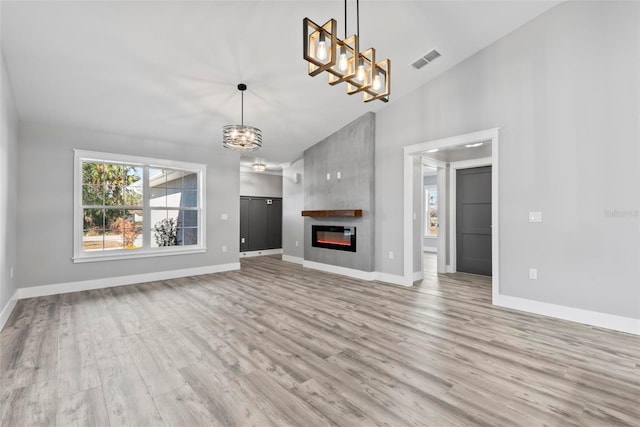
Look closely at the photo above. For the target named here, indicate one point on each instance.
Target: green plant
(165, 232)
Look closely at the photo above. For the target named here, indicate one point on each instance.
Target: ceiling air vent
(425, 59)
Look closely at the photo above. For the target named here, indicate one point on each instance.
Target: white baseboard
(418, 275)
(85, 285)
(7, 310)
(593, 318)
(293, 259)
(429, 249)
(357, 274)
(392, 278)
(260, 253)
(350, 272)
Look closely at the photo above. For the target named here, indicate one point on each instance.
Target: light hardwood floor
(278, 345)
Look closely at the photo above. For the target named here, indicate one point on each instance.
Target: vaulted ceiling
(169, 69)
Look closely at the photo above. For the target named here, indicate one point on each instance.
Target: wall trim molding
(8, 309)
(109, 282)
(587, 317)
(293, 259)
(343, 271)
(393, 279)
(418, 276)
(263, 252)
(359, 274)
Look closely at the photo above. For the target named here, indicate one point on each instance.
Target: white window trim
(79, 256)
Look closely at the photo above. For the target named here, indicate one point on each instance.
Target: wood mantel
(334, 213)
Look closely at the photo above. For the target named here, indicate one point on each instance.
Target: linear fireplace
(333, 237)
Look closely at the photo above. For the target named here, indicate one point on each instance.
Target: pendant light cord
(345, 19)
(358, 18)
(241, 108)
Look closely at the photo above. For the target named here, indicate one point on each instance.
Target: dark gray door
(257, 224)
(244, 224)
(260, 223)
(473, 220)
(274, 224)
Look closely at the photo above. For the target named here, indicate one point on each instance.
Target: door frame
(420, 149)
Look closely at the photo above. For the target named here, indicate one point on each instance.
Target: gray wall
(8, 187)
(564, 90)
(45, 205)
(258, 184)
(349, 151)
(292, 205)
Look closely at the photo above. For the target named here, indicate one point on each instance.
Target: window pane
(164, 229)
(157, 178)
(189, 199)
(93, 240)
(124, 231)
(132, 189)
(158, 197)
(187, 236)
(93, 219)
(188, 218)
(174, 197)
(92, 195)
(432, 212)
(174, 179)
(190, 181)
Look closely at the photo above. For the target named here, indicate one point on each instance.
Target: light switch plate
(535, 216)
(224, 216)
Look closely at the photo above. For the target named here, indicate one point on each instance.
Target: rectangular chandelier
(344, 62)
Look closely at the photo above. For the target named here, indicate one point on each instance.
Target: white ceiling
(169, 69)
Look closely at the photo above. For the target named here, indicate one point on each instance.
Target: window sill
(430, 237)
(137, 254)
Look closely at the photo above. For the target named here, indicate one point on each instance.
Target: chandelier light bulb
(377, 83)
(321, 54)
(343, 61)
(360, 73)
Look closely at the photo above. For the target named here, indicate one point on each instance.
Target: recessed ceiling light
(433, 150)
(477, 144)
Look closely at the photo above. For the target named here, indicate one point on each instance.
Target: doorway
(448, 167)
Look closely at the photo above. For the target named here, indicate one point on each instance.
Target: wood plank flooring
(278, 345)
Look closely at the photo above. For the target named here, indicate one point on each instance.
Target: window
(431, 211)
(132, 207)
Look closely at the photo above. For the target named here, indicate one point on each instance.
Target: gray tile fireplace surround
(350, 152)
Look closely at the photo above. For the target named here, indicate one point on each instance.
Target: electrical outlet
(224, 216)
(390, 255)
(224, 249)
(242, 240)
(339, 175)
(296, 243)
(328, 176)
(11, 272)
(533, 273)
(535, 216)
